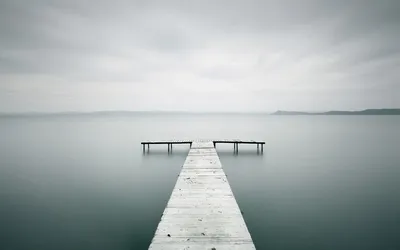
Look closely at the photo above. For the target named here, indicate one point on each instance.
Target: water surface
(81, 182)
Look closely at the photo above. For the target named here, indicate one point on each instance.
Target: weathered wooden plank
(202, 212)
(200, 172)
(196, 245)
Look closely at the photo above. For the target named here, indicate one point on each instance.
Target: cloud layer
(199, 55)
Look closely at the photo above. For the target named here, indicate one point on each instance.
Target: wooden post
(262, 148)
(258, 148)
(234, 148)
(171, 147)
(144, 149)
(148, 147)
(237, 148)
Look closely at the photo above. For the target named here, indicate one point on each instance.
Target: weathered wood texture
(202, 212)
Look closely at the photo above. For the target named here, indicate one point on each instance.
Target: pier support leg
(171, 149)
(262, 148)
(258, 148)
(148, 148)
(144, 151)
(234, 148)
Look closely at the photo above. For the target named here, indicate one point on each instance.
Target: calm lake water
(82, 183)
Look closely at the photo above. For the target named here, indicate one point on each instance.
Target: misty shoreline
(361, 112)
(128, 113)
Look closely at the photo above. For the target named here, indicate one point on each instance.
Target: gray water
(324, 182)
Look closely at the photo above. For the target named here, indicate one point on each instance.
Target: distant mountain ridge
(361, 112)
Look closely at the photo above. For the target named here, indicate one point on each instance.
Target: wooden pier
(202, 212)
(215, 142)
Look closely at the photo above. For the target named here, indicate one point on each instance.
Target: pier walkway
(202, 212)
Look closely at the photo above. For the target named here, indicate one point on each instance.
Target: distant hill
(362, 112)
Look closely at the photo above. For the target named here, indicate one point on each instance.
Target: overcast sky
(229, 55)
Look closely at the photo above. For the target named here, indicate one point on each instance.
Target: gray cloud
(144, 55)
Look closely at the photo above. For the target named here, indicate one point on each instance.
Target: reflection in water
(164, 152)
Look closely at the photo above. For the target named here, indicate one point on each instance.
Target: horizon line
(2, 113)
